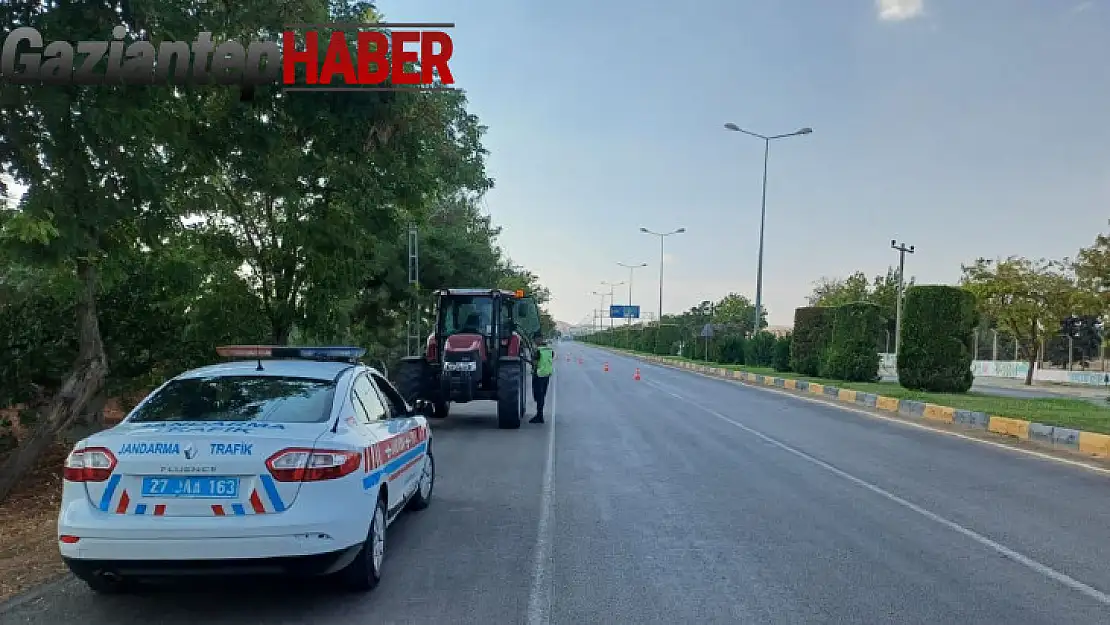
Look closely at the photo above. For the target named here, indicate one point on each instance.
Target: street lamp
(631, 270)
(902, 251)
(661, 235)
(598, 322)
(763, 211)
(612, 286)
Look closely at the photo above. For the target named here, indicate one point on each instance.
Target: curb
(1057, 437)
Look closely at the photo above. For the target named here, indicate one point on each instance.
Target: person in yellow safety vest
(542, 368)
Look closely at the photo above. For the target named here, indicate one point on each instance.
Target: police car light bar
(341, 353)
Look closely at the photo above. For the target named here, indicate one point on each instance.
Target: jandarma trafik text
(378, 58)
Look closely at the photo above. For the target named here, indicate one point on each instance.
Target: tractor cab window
(506, 316)
(467, 315)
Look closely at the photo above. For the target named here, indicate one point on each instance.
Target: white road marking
(1020, 558)
(539, 595)
(1029, 452)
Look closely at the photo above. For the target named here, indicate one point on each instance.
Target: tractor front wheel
(510, 390)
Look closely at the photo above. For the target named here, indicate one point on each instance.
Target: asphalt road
(679, 498)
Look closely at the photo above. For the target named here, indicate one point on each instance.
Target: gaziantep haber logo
(333, 57)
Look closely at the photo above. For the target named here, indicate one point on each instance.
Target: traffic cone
(636, 376)
(606, 367)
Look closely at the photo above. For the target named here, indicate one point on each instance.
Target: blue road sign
(624, 312)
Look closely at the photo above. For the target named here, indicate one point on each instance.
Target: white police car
(292, 462)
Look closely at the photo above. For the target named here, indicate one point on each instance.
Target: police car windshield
(240, 398)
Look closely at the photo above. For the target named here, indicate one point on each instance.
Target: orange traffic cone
(606, 366)
(636, 376)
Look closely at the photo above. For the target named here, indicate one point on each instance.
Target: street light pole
(661, 235)
(631, 270)
(763, 212)
(599, 323)
(902, 251)
(612, 286)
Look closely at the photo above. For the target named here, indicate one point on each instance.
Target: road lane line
(1003, 550)
(539, 594)
(1079, 464)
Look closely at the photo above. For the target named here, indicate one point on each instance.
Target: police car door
(410, 434)
(375, 418)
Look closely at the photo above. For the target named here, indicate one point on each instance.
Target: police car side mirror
(422, 407)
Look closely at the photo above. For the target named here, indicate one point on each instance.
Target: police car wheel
(422, 498)
(365, 571)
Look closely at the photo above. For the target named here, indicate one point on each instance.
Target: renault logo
(190, 451)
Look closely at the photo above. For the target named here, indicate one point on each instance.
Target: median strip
(1064, 438)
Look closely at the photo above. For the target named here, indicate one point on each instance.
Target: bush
(782, 354)
(851, 355)
(761, 350)
(667, 338)
(812, 327)
(936, 350)
(731, 350)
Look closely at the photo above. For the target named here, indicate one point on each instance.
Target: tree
(736, 310)
(1026, 298)
(91, 160)
(1092, 267)
(838, 291)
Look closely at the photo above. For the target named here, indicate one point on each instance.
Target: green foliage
(882, 291)
(761, 350)
(936, 350)
(737, 312)
(782, 354)
(812, 329)
(732, 350)
(850, 354)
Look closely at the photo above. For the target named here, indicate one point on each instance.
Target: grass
(1069, 413)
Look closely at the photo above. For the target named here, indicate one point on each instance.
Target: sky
(967, 129)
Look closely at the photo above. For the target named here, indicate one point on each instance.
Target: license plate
(460, 366)
(191, 487)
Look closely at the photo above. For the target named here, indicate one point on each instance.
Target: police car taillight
(92, 464)
(312, 465)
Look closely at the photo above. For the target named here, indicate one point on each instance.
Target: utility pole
(414, 282)
(902, 251)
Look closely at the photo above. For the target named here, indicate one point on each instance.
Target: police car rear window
(240, 398)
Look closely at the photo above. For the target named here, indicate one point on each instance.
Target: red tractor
(480, 350)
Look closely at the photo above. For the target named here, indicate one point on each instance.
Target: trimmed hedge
(782, 354)
(851, 354)
(761, 350)
(731, 350)
(812, 325)
(936, 351)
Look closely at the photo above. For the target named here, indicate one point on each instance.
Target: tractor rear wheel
(510, 390)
